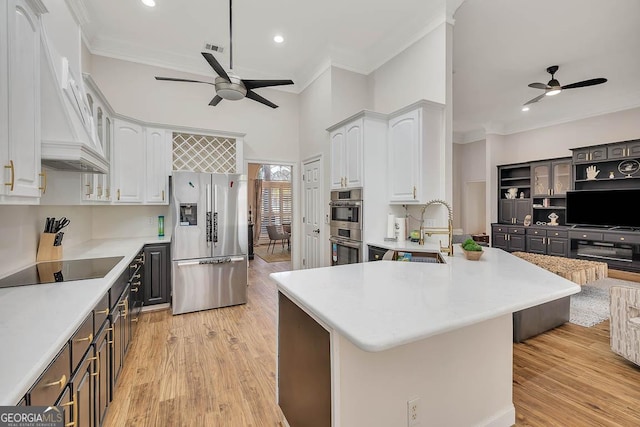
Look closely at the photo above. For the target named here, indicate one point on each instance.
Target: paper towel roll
(401, 229)
(391, 226)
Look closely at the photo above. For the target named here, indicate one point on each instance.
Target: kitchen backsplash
(128, 221)
(20, 227)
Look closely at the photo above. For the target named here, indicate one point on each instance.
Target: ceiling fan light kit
(553, 87)
(229, 86)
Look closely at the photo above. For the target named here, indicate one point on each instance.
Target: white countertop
(37, 320)
(383, 304)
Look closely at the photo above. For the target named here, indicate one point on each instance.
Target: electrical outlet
(151, 220)
(429, 222)
(413, 412)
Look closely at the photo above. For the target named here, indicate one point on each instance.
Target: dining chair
(274, 236)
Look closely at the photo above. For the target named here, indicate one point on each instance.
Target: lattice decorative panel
(203, 153)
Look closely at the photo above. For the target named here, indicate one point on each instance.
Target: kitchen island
(380, 335)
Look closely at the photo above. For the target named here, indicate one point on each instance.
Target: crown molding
(79, 12)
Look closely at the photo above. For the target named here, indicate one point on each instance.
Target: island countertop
(384, 304)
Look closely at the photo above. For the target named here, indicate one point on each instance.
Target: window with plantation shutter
(277, 204)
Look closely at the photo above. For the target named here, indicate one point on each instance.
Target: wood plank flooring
(217, 368)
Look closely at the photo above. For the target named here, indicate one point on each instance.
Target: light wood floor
(217, 368)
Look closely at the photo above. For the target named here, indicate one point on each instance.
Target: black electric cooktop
(61, 271)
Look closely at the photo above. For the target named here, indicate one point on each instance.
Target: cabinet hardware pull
(13, 175)
(138, 283)
(134, 320)
(97, 371)
(75, 413)
(87, 338)
(118, 194)
(62, 381)
(109, 329)
(163, 195)
(136, 276)
(135, 289)
(43, 174)
(622, 238)
(105, 311)
(414, 192)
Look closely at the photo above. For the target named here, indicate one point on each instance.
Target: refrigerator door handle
(208, 226)
(215, 215)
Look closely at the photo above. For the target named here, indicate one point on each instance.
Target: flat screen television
(605, 208)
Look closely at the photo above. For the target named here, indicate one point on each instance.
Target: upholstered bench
(541, 318)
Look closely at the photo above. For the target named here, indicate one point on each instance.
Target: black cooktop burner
(61, 271)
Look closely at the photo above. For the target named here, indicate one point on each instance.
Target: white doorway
(312, 214)
(473, 206)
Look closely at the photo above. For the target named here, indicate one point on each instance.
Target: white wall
(132, 90)
(349, 94)
(20, 227)
(418, 72)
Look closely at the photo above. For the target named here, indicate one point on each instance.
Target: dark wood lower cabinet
(103, 372)
(157, 274)
(83, 392)
(82, 376)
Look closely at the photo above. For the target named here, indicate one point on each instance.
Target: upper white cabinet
(128, 159)
(158, 159)
(415, 144)
(97, 187)
(20, 102)
(346, 155)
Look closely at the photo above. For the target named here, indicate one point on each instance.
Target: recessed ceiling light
(525, 108)
(150, 3)
(278, 38)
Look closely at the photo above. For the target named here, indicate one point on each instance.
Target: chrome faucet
(431, 231)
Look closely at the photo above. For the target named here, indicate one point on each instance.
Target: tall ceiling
(499, 47)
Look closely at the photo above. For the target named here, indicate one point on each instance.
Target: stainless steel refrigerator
(209, 241)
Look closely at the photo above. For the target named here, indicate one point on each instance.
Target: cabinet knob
(622, 238)
(87, 338)
(12, 181)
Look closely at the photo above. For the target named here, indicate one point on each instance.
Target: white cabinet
(20, 102)
(346, 155)
(158, 158)
(97, 187)
(415, 143)
(128, 162)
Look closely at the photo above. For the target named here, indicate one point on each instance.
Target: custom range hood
(69, 138)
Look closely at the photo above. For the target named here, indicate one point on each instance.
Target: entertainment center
(577, 207)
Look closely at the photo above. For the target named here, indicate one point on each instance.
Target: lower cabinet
(548, 242)
(157, 274)
(82, 376)
(510, 239)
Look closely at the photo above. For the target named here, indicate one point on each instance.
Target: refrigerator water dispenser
(188, 214)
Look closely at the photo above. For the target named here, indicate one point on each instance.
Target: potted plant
(472, 250)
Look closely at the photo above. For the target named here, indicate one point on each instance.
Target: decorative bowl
(472, 255)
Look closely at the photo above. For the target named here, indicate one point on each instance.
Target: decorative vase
(472, 255)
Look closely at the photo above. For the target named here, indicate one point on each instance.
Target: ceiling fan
(228, 85)
(554, 87)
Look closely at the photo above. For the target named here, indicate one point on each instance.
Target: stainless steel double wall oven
(346, 226)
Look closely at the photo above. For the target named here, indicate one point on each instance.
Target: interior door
(312, 254)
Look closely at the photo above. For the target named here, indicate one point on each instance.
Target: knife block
(46, 250)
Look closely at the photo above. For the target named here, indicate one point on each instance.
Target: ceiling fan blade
(172, 79)
(538, 86)
(215, 101)
(216, 65)
(256, 97)
(536, 99)
(253, 84)
(584, 83)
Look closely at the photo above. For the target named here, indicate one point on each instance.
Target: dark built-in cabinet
(82, 377)
(157, 274)
(536, 191)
